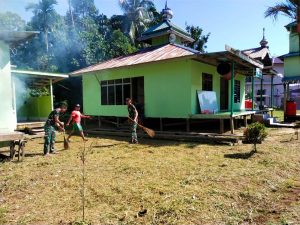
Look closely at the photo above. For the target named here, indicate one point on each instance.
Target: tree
(44, 17)
(137, 16)
(255, 134)
(118, 45)
(200, 39)
(11, 22)
(289, 8)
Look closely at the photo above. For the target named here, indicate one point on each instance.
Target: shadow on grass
(245, 155)
(30, 155)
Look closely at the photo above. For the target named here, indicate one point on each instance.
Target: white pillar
(51, 94)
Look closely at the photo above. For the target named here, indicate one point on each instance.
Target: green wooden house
(291, 60)
(165, 77)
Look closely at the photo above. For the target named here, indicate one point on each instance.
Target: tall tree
(200, 39)
(11, 21)
(137, 15)
(44, 17)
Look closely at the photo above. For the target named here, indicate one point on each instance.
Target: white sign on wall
(208, 102)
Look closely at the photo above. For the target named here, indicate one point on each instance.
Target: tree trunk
(46, 40)
(71, 14)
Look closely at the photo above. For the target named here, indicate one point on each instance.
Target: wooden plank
(11, 136)
(173, 137)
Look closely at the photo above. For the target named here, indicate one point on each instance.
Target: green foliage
(200, 39)
(37, 92)
(255, 133)
(287, 8)
(119, 45)
(11, 22)
(137, 16)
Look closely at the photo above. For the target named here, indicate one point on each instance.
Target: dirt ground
(155, 182)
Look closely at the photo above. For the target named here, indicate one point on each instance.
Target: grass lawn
(177, 183)
(279, 114)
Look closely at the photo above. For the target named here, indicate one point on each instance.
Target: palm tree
(44, 17)
(137, 15)
(289, 8)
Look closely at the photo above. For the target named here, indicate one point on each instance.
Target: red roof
(148, 55)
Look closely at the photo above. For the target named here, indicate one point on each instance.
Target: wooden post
(261, 92)
(253, 78)
(188, 125)
(222, 126)
(232, 125)
(232, 89)
(284, 97)
(245, 121)
(99, 121)
(272, 90)
(118, 122)
(232, 99)
(160, 124)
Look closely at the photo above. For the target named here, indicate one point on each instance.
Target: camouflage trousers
(49, 139)
(133, 132)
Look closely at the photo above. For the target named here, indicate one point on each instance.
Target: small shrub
(255, 134)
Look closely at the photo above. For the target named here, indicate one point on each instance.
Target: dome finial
(167, 13)
(264, 42)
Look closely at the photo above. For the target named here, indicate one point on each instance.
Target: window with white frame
(114, 92)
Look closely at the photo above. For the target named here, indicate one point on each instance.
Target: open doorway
(224, 88)
(138, 96)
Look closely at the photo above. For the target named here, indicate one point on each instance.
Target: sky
(237, 23)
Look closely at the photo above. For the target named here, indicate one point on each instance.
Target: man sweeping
(75, 117)
(52, 124)
(133, 117)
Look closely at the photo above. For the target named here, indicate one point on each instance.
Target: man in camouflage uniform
(133, 115)
(52, 124)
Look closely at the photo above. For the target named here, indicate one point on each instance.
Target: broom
(66, 143)
(150, 132)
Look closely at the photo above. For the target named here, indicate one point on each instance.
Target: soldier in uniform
(52, 124)
(133, 115)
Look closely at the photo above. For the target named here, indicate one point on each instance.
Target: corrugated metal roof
(13, 37)
(257, 53)
(152, 54)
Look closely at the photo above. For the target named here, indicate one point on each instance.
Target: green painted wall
(294, 42)
(197, 69)
(34, 108)
(166, 88)
(164, 40)
(292, 66)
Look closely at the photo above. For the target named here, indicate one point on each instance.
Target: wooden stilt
(99, 121)
(187, 125)
(221, 126)
(232, 125)
(245, 121)
(160, 124)
(118, 122)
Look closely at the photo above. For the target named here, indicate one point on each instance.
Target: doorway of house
(224, 88)
(137, 93)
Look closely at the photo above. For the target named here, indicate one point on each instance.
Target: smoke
(21, 93)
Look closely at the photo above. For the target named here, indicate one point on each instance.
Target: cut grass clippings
(156, 182)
